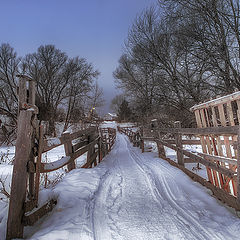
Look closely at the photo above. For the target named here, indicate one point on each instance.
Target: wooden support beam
(217, 131)
(79, 145)
(22, 93)
(20, 176)
(178, 139)
(238, 167)
(172, 141)
(215, 102)
(29, 220)
(38, 163)
(68, 150)
(32, 92)
(49, 144)
(219, 159)
(214, 166)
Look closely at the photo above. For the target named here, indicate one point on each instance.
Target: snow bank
(72, 215)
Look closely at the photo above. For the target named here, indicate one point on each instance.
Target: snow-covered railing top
(214, 102)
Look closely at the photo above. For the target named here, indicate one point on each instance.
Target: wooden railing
(223, 172)
(28, 165)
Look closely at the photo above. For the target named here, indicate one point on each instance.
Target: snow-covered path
(130, 196)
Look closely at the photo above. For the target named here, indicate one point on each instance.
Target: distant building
(110, 117)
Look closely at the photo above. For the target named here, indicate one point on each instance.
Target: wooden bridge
(217, 131)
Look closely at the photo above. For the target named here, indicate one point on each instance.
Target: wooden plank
(100, 154)
(220, 150)
(51, 143)
(225, 171)
(209, 146)
(238, 168)
(205, 143)
(215, 124)
(226, 139)
(29, 220)
(172, 141)
(52, 166)
(30, 205)
(38, 163)
(90, 160)
(161, 150)
(234, 138)
(79, 145)
(221, 131)
(218, 101)
(75, 135)
(80, 151)
(188, 160)
(232, 123)
(68, 150)
(80, 133)
(219, 158)
(238, 111)
(178, 139)
(22, 93)
(32, 92)
(20, 175)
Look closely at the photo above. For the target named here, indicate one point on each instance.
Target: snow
(230, 97)
(53, 141)
(131, 195)
(45, 194)
(108, 124)
(57, 164)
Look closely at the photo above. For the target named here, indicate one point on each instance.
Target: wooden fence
(28, 165)
(225, 171)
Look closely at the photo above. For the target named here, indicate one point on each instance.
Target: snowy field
(129, 195)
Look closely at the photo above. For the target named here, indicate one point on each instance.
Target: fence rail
(225, 170)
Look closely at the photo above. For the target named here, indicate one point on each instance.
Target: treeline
(180, 53)
(66, 87)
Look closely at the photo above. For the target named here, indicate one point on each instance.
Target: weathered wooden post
(31, 102)
(68, 149)
(238, 166)
(141, 139)
(20, 175)
(178, 139)
(100, 153)
(38, 163)
(161, 150)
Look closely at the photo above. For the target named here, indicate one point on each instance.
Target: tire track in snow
(141, 209)
(158, 197)
(105, 200)
(129, 204)
(182, 214)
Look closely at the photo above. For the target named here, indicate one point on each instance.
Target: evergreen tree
(124, 111)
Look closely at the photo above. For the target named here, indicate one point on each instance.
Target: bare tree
(9, 63)
(180, 55)
(60, 81)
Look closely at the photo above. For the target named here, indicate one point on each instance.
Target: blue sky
(94, 29)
